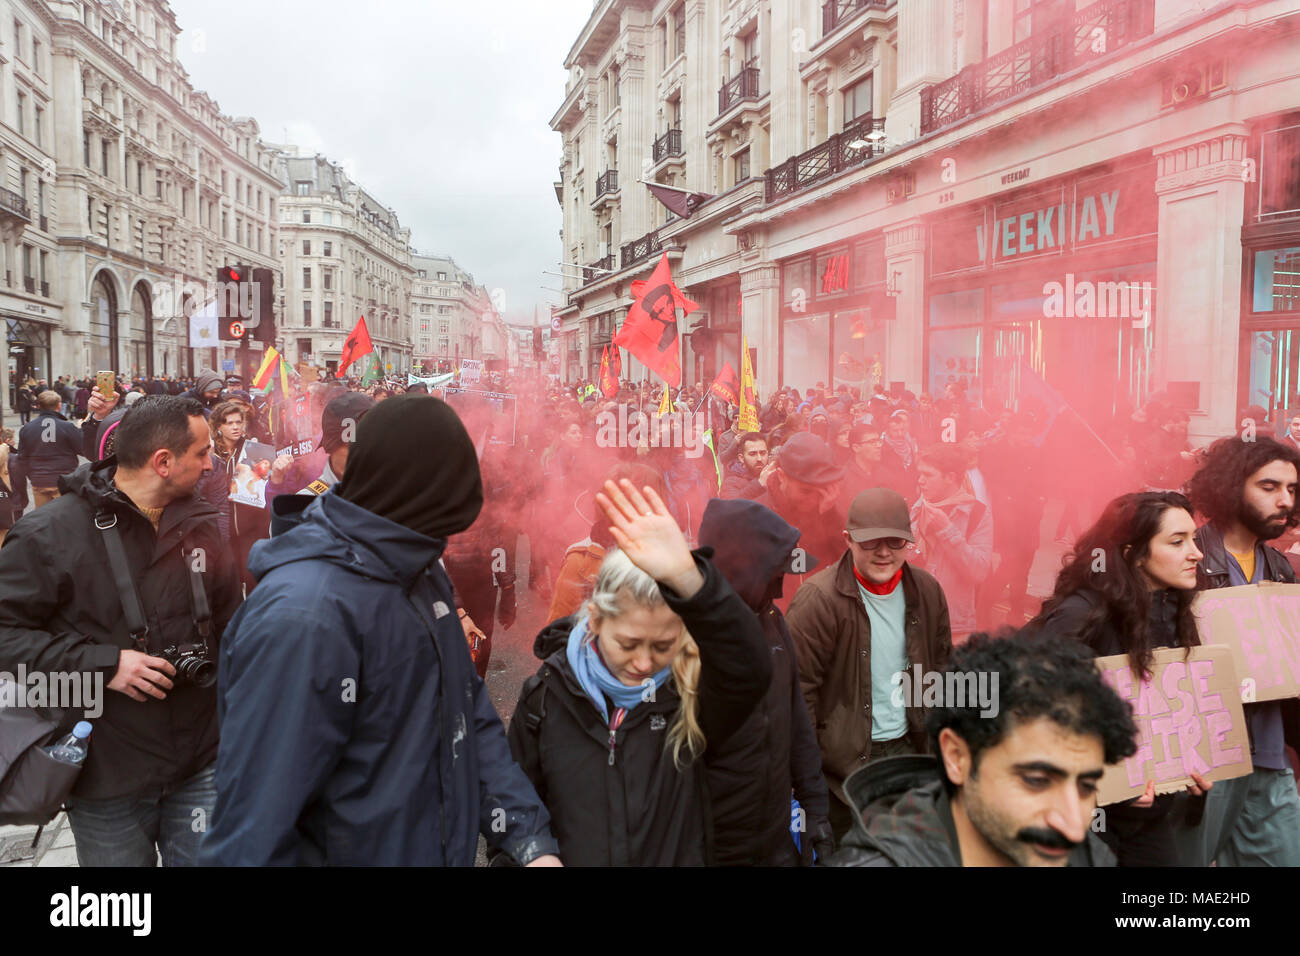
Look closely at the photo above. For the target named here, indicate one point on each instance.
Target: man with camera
(125, 578)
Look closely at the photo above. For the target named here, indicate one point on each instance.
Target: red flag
(650, 331)
(727, 385)
(616, 362)
(608, 384)
(357, 345)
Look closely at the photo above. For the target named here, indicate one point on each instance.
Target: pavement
(511, 663)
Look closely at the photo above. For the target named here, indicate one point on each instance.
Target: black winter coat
(44, 462)
(627, 804)
(752, 774)
(60, 610)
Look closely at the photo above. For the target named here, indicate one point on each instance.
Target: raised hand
(648, 534)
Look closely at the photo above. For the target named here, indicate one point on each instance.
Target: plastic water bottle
(72, 748)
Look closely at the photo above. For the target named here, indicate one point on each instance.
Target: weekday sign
(1189, 720)
(1260, 624)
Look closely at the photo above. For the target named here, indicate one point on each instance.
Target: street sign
(227, 365)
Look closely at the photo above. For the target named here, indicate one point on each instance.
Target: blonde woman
(663, 661)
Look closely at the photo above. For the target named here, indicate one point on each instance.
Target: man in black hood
(775, 751)
(346, 679)
(207, 390)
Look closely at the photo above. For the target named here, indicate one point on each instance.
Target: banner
(748, 399)
(1260, 624)
(248, 486)
(432, 382)
(650, 330)
(203, 327)
(1189, 720)
(727, 386)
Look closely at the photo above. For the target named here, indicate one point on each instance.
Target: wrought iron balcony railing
(606, 182)
(669, 144)
(852, 147)
(1091, 33)
(13, 203)
(742, 86)
(598, 269)
(643, 248)
(836, 12)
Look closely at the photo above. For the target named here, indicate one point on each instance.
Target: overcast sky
(439, 108)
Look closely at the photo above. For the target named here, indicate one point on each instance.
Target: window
(1040, 16)
(304, 350)
(306, 278)
(85, 148)
(327, 278)
(443, 327)
(18, 35)
(103, 155)
(37, 124)
(328, 317)
(306, 215)
(36, 55)
(306, 247)
(679, 35)
(740, 164)
(306, 314)
(303, 187)
(442, 277)
(22, 110)
(329, 246)
(158, 184)
(857, 101)
(329, 219)
(139, 177)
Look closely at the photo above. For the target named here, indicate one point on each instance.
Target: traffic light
(264, 305)
(234, 302)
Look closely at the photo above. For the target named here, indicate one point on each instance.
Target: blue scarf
(595, 677)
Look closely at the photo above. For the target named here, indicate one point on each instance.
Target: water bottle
(72, 748)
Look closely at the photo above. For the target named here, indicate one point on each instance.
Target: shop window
(805, 351)
(1279, 193)
(1277, 280)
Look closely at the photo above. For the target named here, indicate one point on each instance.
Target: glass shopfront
(1055, 281)
(834, 310)
(28, 353)
(1269, 364)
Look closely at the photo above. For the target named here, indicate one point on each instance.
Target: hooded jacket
(960, 556)
(752, 774)
(346, 681)
(902, 817)
(60, 610)
(206, 380)
(624, 803)
(739, 483)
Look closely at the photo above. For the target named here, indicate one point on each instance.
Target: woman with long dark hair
(1127, 588)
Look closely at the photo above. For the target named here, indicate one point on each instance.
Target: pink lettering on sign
(1174, 732)
(1217, 726)
(1246, 618)
(1284, 638)
(1202, 674)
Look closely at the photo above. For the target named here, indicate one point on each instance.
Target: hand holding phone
(104, 382)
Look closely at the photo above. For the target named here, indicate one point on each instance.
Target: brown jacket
(832, 636)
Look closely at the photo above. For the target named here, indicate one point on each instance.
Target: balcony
(837, 153)
(669, 144)
(45, 289)
(743, 86)
(45, 224)
(607, 182)
(837, 12)
(29, 283)
(598, 269)
(1036, 60)
(639, 249)
(14, 206)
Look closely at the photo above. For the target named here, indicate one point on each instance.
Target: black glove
(822, 837)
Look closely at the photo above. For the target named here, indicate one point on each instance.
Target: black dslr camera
(193, 663)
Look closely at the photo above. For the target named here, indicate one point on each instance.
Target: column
(1202, 195)
(924, 38)
(760, 293)
(905, 269)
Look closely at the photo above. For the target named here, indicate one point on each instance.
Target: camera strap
(106, 521)
(202, 610)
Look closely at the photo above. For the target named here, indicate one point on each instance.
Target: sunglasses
(894, 544)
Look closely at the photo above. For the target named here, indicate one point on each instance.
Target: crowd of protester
(726, 611)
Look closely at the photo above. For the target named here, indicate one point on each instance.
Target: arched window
(140, 348)
(103, 325)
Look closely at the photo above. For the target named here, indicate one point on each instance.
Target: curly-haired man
(1247, 490)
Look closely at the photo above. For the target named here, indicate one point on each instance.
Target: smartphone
(104, 381)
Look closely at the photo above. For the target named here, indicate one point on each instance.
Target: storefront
(834, 315)
(1269, 371)
(28, 353)
(1056, 280)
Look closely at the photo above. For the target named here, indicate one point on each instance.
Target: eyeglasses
(894, 544)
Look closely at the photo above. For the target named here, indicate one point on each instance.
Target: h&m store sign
(1084, 213)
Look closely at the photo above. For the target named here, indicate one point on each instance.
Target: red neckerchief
(886, 588)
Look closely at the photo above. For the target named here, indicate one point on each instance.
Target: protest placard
(1189, 720)
(248, 486)
(471, 371)
(1260, 624)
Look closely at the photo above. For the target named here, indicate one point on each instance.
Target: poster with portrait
(248, 486)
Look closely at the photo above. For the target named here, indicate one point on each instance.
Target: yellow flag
(665, 406)
(748, 401)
